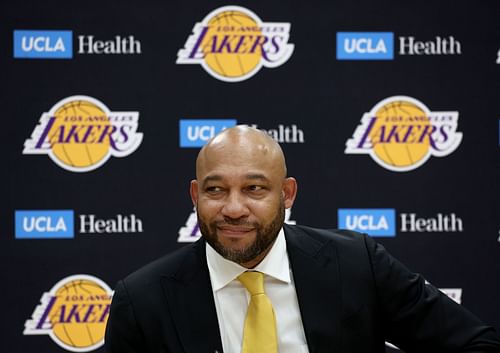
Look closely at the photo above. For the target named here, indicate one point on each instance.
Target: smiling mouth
(234, 231)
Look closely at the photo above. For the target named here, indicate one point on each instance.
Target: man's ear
(289, 191)
(193, 191)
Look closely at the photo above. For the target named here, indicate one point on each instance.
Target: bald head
(241, 146)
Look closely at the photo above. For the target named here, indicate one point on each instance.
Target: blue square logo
(365, 46)
(195, 133)
(43, 44)
(377, 222)
(53, 224)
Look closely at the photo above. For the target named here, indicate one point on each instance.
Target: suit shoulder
(169, 265)
(341, 236)
(342, 242)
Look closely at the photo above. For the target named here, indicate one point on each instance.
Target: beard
(265, 236)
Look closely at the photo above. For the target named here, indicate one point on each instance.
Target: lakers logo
(400, 133)
(80, 134)
(73, 313)
(232, 44)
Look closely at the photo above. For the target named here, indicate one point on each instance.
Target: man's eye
(213, 189)
(255, 188)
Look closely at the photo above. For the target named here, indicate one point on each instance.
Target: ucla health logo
(373, 221)
(43, 44)
(400, 134)
(51, 44)
(73, 313)
(56, 224)
(80, 134)
(365, 45)
(232, 44)
(195, 133)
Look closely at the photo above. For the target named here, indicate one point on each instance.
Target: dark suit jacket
(352, 295)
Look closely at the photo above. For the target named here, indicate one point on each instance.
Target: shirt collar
(275, 264)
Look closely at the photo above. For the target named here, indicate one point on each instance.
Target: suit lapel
(316, 275)
(191, 303)
(317, 282)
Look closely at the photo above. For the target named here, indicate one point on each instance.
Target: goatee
(265, 236)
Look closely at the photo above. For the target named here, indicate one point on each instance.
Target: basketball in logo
(400, 133)
(74, 313)
(226, 61)
(402, 115)
(232, 44)
(80, 134)
(84, 152)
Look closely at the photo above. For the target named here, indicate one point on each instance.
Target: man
(330, 291)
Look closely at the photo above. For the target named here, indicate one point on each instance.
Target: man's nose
(235, 206)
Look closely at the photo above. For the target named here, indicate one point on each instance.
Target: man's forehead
(245, 176)
(237, 156)
(238, 165)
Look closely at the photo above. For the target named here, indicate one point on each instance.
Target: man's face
(240, 200)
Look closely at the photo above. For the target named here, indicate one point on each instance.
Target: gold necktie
(259, 335)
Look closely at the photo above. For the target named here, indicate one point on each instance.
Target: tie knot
(253, 282)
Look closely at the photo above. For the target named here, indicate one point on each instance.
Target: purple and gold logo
(73, 313)
(400, 134)
(232, 44)
(80, 134)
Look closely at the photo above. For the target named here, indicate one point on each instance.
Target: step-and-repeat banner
(388, 114)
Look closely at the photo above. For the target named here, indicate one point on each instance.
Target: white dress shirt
(231, 298)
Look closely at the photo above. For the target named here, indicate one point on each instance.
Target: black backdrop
(322, 96)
